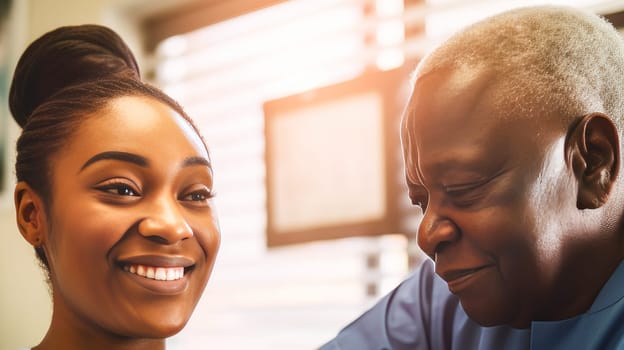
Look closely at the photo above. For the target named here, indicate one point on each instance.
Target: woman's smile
(159, 280)
(156, 273)
(160, 274)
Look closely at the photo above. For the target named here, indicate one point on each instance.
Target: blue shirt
(422, 314)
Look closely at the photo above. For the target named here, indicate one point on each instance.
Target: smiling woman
(122, 221)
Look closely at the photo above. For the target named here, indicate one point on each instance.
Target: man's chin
(490, 315)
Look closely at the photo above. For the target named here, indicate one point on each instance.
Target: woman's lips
(156, 273)
(156, 260)
(166, 275)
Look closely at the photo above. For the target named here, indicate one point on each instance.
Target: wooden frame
(295, 128)
(617, 19)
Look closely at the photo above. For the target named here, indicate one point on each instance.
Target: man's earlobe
(594, 153)
(30, 214)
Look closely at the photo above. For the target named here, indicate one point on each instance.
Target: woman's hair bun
(64, 57)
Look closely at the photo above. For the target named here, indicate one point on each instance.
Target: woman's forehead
(151, 118)
(139, 125)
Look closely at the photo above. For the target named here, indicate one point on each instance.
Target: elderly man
(512, 150)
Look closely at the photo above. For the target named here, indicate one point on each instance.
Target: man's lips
(460, 278)
(451, 275)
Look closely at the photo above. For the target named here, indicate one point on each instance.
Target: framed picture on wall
(333, 160)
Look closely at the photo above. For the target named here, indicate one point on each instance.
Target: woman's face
(132, 231)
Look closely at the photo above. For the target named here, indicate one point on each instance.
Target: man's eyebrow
(116, 155)
(190, 161)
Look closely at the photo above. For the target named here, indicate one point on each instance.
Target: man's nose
(165, 222)
(436, 231)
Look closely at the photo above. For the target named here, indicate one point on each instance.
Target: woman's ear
(30, 213)
(593, 149)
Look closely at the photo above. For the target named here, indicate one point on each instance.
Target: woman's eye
(119, 189)
(198, 196)
(125, 191)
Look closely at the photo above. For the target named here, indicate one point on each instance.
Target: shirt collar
(611, 292)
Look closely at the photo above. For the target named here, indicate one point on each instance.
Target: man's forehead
(465, 81)
(452, 117)
(455, 77)
(443, 103)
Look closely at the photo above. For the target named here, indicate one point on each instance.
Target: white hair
(545, 59)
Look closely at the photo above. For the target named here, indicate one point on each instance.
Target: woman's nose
(165, 223)
(436, 231)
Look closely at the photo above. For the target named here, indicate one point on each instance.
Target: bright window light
(388, 8)
(390, 33)
(390, 58)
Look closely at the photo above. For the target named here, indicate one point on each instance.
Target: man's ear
(30, 212)
(593, 149)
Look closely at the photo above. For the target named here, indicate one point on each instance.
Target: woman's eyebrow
(116, 155)
(190, 161)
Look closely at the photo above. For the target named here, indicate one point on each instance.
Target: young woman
(114, 192)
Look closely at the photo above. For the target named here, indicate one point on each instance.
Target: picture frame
(333, 160)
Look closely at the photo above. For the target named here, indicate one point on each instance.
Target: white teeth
(170, 274)
(156, 273)
(160, 275)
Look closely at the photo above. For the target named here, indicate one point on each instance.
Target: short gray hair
(545, 59)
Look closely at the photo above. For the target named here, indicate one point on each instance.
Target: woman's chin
(159, 328)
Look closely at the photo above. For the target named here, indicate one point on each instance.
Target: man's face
(499, 200)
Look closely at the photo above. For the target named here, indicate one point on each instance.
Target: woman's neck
(69, 332)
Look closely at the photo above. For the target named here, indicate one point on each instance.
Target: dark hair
(61, 79)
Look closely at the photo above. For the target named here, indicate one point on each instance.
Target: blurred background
(299, 102)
